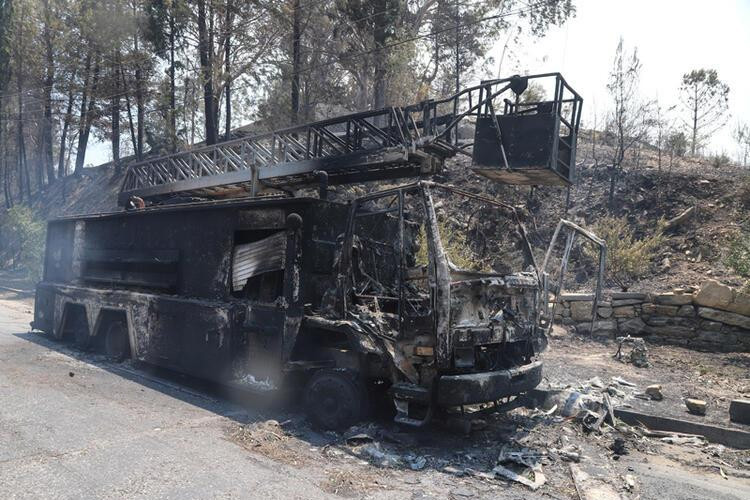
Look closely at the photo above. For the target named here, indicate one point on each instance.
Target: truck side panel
(202, 241)
(188, 335)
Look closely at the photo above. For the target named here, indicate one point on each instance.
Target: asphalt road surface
(75, 429)
(77, 426)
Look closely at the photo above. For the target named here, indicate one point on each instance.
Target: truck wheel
(335, 399)
(116, 342)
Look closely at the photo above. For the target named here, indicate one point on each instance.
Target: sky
(672, 38)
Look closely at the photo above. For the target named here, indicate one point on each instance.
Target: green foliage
(533, 93)
(677, 143)
(25, 235)
(720, 160)
(706, 101)
(455, 245)
(458, 248)
(739, 255)
(628, 257)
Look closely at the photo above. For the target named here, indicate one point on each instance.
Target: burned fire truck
(218, 269)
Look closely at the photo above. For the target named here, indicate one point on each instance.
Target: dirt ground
(571, 361)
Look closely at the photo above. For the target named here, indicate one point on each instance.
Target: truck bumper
(472, 388)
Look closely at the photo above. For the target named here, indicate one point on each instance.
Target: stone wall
(714, 317)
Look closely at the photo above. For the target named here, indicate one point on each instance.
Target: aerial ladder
(517, 140)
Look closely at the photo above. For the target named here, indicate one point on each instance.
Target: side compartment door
(190, 336)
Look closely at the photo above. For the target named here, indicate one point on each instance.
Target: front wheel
(335, 399)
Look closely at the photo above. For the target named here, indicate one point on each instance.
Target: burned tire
(116, 341)
(335, 399)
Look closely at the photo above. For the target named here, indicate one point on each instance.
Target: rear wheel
(116, 342)
(335, 399)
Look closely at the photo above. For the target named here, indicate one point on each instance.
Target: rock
(629, 295)
(605, 327)
(605, 312)
(666, 263)
(654, 392)
(696, 406)
(626, 302)
(673, 299)
(568, 321)
(671, 331)
(709, 326)
(624, 312)
(739, 411)
(719, 296)
(581, 310)
(648, 309)
(632, 326)
(714, 294)
(657, 320)
(741, 303)
(664, 310)
(576, 297)
(725, 317)
(715, 338)
(686, 311)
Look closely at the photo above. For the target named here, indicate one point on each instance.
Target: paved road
(108, 434)
(111, 431)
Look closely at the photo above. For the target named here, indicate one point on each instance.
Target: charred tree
(205, 54)
(87, 111)
(115, 109)
(45, 142)
(62, 164)
(227, 70)
(296, 58)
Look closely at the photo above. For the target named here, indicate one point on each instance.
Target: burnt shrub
(628, 256)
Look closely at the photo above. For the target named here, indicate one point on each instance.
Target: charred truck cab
(342, 300)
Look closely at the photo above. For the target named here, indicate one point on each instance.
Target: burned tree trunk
(172, 105)
(87, 115)
(227, 71)
(45, 143)
(205, 55)
(296, 34)
(62, 169)
(140, 111)
(115, 81)
(7, 191)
